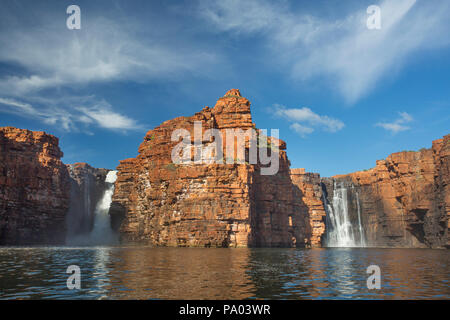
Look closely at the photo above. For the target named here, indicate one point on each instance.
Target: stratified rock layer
(405, 199)
(34, 188)
(441, 157)
(311, 192)
(165, 204)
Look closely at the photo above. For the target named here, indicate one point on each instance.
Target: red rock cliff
(405, 199)
(311, 192)
(34, 188)
(161, 203)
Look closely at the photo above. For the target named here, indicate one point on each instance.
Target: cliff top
(298, 171)
(401, 158)
(84, 165)
(24, 135)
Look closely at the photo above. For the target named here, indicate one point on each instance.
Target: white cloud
(105, 117)
(240, 16)
(94, 112)
(353, 58)
(397, 125)
(306, 115)
(48, 61)
(108, 51)
(17, 106)
(301, 130)
(405, 117)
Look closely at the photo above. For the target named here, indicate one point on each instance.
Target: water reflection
(194, 273)
(101, 273)
(171, 273)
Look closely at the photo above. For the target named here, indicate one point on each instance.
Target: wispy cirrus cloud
(341, 51)
(305, 120)
(106, 52)
(50, 64)
(92, 112)
(103, 115)
(397, 125)
(15, 107)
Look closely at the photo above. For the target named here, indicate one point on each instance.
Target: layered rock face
(87, 186)
(199, 201)
(309, 185)
(441, 157)
(404, 200)
(208, 204)
(34, 188)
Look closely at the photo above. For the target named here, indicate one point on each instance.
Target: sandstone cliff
(161, 203)
(311, 192)
(404, 200)
(34, 188)
(441, 157)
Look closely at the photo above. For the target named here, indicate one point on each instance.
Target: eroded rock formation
(34, 188)
(404, 200)
(161, 203)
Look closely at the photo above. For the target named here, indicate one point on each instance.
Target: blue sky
(342, 95)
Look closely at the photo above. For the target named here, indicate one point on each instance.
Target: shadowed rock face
(42, 200)
(34, 188)
(87, 186)
(405, 200)
(221, 205)
(441, 157)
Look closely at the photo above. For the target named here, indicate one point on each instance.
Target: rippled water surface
(191, 273)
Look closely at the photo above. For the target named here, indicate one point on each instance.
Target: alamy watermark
(374, 280)
(374, 19)
(74, 20)
(74, 280)
(249, 146)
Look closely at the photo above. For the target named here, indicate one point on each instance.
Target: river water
(197, 273)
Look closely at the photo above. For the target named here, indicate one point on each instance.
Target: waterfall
(340, 230)
(101, 233)
(362, 242)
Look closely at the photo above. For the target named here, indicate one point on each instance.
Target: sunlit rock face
(404, 200)
(222, 205)
(308, 184)
(34, 188)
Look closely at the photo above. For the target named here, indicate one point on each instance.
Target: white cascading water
(102, 232)
(362, 241)
(340, 231)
